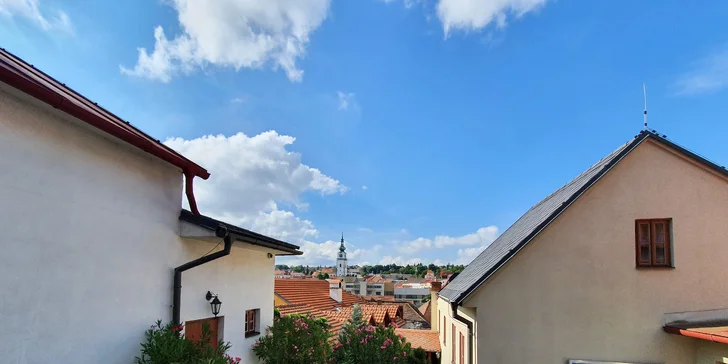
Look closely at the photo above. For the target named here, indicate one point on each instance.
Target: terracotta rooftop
(379, 313)
(378, 298)
(426, 311)
(427, 340)
(297, 308)
(313, 292)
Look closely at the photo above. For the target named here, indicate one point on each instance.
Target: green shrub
(165, 344)
(295, 339)
(364, 344)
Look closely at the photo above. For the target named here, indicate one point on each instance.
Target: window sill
(650, 267)
(251, 334)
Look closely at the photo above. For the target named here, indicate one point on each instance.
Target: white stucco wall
(574, 291)
(88, 234)
(243, 281)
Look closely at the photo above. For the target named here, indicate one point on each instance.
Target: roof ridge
(531, 222)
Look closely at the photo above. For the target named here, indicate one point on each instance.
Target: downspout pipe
(454, 307)
(220, 232)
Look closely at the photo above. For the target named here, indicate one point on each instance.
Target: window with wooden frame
(462, 348)
(453, 343)
(444, 330)
(653, 242)
(252, 322)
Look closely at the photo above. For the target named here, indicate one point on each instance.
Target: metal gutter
(221, 232)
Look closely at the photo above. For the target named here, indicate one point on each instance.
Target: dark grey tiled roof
(528, 225)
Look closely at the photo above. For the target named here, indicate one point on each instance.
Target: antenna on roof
(644, 91)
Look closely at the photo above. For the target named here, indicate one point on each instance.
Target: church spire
(342, 247)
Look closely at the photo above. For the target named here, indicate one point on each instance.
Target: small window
(462, 349)
(453, 343)
(652, 242)
(252, 322)
(444, 330)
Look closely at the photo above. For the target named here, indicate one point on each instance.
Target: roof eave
(240, 234)
(462, 297)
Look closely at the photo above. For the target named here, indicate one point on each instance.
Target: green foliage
(295, 339)
(165, 344)
(360, 343)
(320, 276)
(326, 276)
(418, 270)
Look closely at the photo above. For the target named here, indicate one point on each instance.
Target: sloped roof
(296, 308)
(427, 340)
(426, 311)
(250, 237)
(30, 80)
(412, 314)
(543, 213)
(312, 292)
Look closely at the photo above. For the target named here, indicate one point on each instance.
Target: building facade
(92, 233)
(342, 265)
(592, 272)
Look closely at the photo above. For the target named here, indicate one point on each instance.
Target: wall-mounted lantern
(215, 302)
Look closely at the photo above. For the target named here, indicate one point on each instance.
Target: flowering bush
(166, 344)
(362, 343)
(295, 339)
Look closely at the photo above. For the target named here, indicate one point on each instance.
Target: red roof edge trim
(696, 335)
(22, 76)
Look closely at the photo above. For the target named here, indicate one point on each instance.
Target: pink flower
(404, 353)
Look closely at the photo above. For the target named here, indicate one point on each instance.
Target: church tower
(342, 266)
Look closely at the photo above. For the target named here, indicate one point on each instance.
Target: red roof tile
(427, 340)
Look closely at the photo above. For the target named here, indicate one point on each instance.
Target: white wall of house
(574, 291)
(88, 234)
(243, 281)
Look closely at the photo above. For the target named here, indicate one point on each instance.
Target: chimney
(335, 290)
(435, 287)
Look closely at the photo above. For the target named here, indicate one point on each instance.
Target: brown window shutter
(453, 343)
(462, 349)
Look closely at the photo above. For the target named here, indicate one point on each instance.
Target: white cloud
(364, 188)
(347, 100)
(482, 237)
(322, 254)
(407, 3)
(399, 260)
(233, 33)
(708, 74)
(473, 15)
(465, 256)
(250, 177)
(38, 14)
(237, 100)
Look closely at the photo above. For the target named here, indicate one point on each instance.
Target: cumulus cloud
(706, 75)
(323, 254)
(346, 101)
(466, 255)
(251, 176)
(482, 237)
(233, 33)
(469, 15)
(49, 20)
(399, 260)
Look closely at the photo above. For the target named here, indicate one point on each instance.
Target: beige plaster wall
(711, 353)
(574, 291)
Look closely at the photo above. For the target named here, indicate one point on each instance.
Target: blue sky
(420, 128)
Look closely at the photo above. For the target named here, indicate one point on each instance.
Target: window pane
(645, 254)
(660, 232)
(644, 233)
(660, 257)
